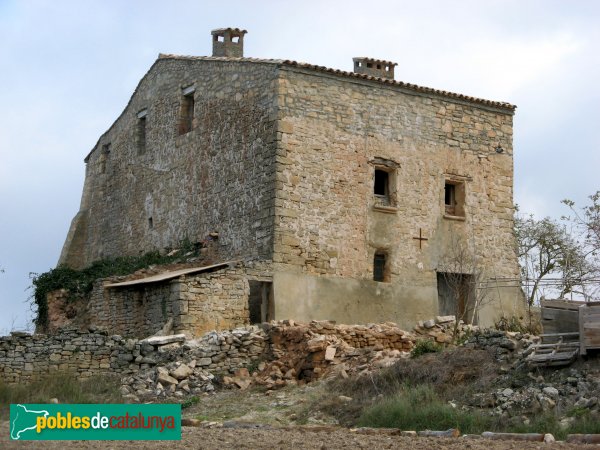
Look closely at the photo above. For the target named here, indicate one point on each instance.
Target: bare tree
(462, 272)
(551, 260)
(587, 222)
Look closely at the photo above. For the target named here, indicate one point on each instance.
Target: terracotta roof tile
(410, 86)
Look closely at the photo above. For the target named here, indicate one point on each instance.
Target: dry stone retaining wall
(283, 352)
(23, 357)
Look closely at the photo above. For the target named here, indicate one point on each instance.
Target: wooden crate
(560, 316)
(589, 327)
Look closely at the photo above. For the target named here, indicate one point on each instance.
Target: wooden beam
(532, 437)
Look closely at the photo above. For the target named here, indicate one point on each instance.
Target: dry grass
(451, 374)
(61, 385)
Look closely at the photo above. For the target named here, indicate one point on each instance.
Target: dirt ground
(284, 438)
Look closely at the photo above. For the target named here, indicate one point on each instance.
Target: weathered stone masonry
(197, 303)
(315, 175)
(217, 177)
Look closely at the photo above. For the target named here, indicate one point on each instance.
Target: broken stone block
(163, 340)
(429, 323)
(330, 353)
(166, 380)
(191, 422)
(242, 373)
(551, 391)
(204, 362)
(181, 372)
(242, 384)
(445, 319)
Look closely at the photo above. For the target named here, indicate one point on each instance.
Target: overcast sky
(68, 69)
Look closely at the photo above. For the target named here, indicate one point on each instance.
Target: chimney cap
(228, 29)
(379, 68)
(374, 60)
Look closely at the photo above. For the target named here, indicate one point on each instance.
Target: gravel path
(288, 438)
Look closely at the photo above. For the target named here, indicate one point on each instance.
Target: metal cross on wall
(420, 238)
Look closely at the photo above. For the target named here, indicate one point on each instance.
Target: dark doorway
(260, 301)
(456, 296)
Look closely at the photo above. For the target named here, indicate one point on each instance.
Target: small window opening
(141, 135)
(235, 39)
(150, 223)
(378, 66)
(369, 65)
(103, 157)
(187, 114)
(379, 266)
(449, 197)
(454, 198)
(220, 38)
(381, 184)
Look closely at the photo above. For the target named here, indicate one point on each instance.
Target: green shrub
(79, 283)
(424, 346)
(190, 402)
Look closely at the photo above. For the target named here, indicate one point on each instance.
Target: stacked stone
(443, 328)
(24, 356)
(377, 336)
(305, 352)
(507, 346)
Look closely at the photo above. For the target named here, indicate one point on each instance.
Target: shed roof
(169, 275)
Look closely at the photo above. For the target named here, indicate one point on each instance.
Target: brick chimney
(374, 67)
(228, 42)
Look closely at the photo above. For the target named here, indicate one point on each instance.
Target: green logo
(95, 422)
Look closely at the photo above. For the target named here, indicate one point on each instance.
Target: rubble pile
(442, 329)
(568, 393)
(171, 366)
(510, 347)
(303, 353)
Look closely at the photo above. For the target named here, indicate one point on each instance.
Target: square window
(454, 198)
(384, 181)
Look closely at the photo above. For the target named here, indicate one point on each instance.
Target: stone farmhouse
(328, 194)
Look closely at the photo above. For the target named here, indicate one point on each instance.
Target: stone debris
(278, 354)
(508, 347)
(442, 329)
(304, 352)
(162, 340)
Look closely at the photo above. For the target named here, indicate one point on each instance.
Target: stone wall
(213, 301)
(333, 136)
(23, 357)
(218, 177)
(195, 304)
(86, 354)
(134, 311)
